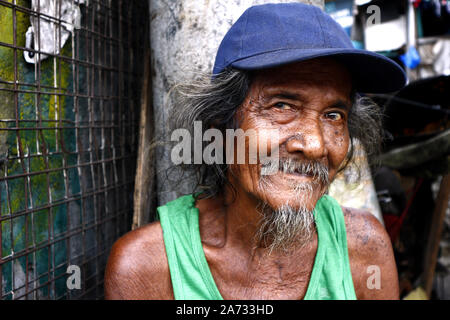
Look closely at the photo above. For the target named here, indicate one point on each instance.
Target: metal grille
(68, 140)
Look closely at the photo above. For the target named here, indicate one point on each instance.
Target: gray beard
(291, 226)
(285, 229)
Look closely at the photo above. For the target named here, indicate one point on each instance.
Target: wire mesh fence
(70, 75)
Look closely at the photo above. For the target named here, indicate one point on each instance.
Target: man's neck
(243, 212)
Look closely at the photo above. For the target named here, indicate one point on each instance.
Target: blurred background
(84, 91)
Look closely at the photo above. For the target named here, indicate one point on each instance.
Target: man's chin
(297, 194)
(280, 197)
(285, 228)
(295, 204)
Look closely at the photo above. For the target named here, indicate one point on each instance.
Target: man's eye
(336, 116)
(282, 106)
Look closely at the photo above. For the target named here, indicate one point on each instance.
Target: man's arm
(137, 266)
(371, 257)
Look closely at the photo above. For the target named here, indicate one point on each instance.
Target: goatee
(285, 229)
(291, 226)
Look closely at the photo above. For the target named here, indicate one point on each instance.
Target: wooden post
(145, 176)
(434, 236)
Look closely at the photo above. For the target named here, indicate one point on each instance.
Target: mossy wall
(31, 150)
(68, 147)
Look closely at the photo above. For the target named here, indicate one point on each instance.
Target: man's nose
(309, 141)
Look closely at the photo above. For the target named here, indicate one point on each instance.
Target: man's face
(308, 103)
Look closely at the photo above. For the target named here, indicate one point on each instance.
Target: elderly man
(288, 68)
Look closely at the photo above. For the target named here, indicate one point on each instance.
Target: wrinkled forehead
(319, 74)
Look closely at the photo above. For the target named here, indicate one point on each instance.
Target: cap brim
(371, 72)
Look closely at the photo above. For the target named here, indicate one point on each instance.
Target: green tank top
(191, 277)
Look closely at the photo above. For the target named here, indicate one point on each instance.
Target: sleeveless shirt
(191, 277)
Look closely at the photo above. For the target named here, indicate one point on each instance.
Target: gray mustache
(315, 169)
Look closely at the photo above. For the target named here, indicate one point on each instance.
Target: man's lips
(297, 173)
(299, 176)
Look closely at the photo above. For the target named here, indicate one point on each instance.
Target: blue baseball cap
(272, 35)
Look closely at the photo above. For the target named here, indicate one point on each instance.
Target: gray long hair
(215, 101)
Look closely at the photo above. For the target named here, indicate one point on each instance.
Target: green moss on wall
(51, 107)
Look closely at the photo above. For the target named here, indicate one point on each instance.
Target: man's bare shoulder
(371, 254)
(364, 230)
(137, 266)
